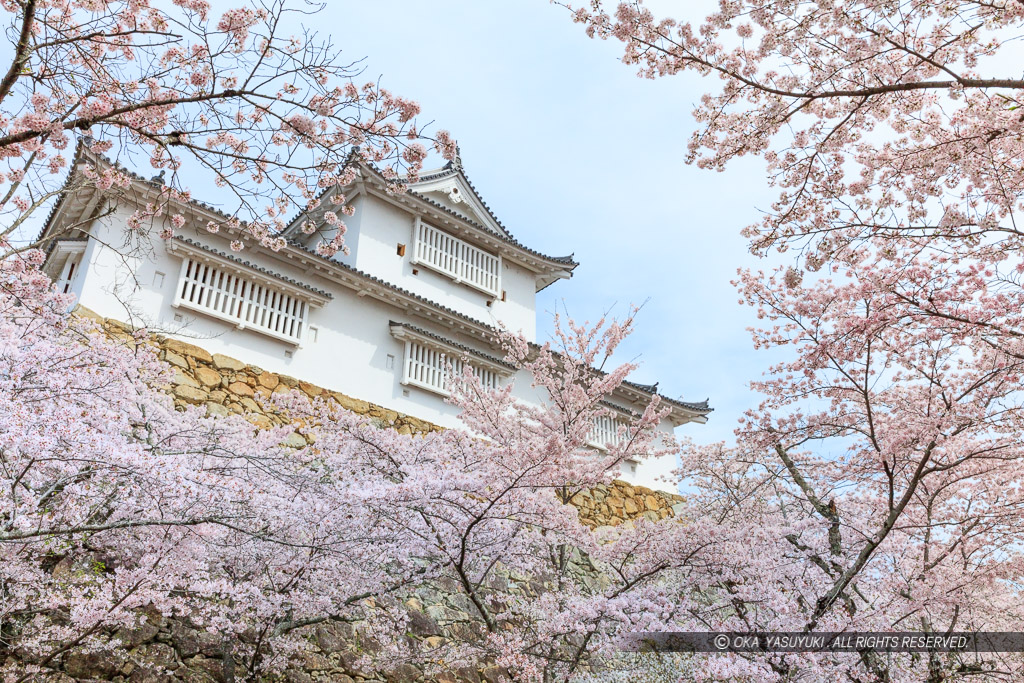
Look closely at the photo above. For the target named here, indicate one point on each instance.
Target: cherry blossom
(116, 504)
(226, 96)
(879, 477)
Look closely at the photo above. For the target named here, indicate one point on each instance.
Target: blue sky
(574, 153)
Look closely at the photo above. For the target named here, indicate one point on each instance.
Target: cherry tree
(889, 129)
(487, 513)
(115, 504)
(230, 98)
(117, 508)
(883, 464)
(883, 469)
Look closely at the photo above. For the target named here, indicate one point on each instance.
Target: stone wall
(619, 501)
(228, 385)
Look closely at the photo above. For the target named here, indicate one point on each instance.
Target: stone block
(83, 664)
(174, 359)
(294, 440)
(211, 668)
(403, 673)
(313, 661)
(185, 639)
(194, 675)
(157, 657)
(335, 677)
(118, 326)
(207, 376)
(186, 349)
(421, 624)
(216, 409)
(180, 377)
(353, 404)
(468, 675)
(329, 638)
(495, 674)
(84, 312)
(433, 642)
(222, 362)
(261, 421)
(190, 394)
(250, 405)
(241, 389)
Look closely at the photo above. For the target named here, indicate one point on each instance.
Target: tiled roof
(451, 169)
(696, 406)
(507, 237)
(373, 278)
(80, 150)
(566, 260)
(63, 195)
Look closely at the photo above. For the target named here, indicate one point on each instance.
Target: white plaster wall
(518, 311)
(353, 351)
(383, 226)
(656, 473)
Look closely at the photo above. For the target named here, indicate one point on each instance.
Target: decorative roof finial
(159, 177)
(457, 161)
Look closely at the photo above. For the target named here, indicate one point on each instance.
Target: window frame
(241, 295)
(491, 374)
(458, 262)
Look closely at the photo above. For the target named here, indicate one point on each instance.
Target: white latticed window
(68, 273)
(427, 368)
(216, 291)
(606, 431)
(458, 259)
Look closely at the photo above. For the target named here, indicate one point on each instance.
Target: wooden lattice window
(243, 301)
(457, 259)
(427, 367)
(605, 431)
(68, 273)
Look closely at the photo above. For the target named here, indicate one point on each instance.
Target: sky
(575, 154)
